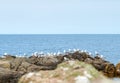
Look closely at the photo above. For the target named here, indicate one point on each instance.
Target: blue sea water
(107, 45)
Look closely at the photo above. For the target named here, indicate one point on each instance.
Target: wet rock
(110, 70)
(99, 65)
(117, 72)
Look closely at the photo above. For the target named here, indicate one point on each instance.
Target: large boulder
(66, 72)
(117, 72)
(8, 76)
(5, 64)
(109, 70)
(24, 66)
(46, 62)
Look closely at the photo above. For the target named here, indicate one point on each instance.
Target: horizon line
(62, 34)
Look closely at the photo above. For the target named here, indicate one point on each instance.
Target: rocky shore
(70, 67)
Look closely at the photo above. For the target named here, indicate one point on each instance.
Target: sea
(107, 45)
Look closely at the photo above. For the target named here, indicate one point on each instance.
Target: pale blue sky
(59, 16)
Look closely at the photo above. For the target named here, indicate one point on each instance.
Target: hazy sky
(59, 16)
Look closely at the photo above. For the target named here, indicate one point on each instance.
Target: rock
(60, 58)
(66, 72)
(7, 76)
(9, 57)
(64, 68)
(68, 56)
(117, 72)
(32, 59)
(82, 79)
(98, 67)
(46, 63)
(81, 56)
(110, 70)
(14, 64)
(21, 65)
(88, 60)
(5, 64)
(43, 61)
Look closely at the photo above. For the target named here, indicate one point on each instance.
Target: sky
(59, 16)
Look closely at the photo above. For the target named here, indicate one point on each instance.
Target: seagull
(25, 55)
(20, 56)
(48, 54)
(90, 53)
(82, 50)
(5, 54)
(54, 54)
(96, 53)
(66, 59)
(16, 55)
(41, 53)
(85, 50)
(69, 50)
(64, 51)
(35, 53)
(74, 50)
(58, 53)
(78, 49)
(3, 57)
(101, 56)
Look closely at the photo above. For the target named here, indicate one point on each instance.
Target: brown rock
(21, 65)
(44, 61)
(7, 76)
(89, 61)
(5, 64)
(110, 70)
(117, 72)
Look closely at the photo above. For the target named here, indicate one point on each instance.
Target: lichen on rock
(65, 73)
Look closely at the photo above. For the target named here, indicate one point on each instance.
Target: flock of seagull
(42, 54)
